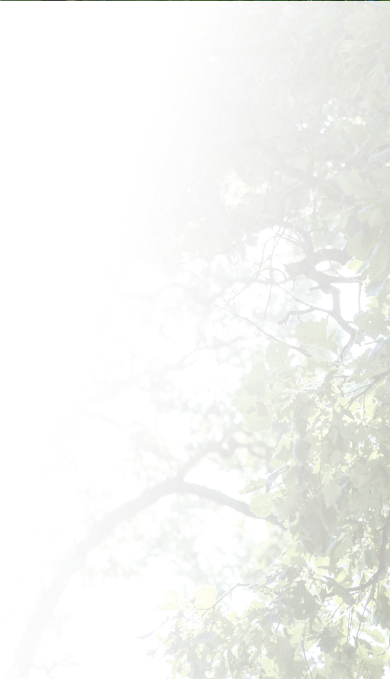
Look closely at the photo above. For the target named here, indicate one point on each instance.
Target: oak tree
(274, 240)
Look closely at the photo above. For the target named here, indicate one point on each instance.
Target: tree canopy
(274, 240)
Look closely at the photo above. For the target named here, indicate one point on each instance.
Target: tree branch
(301, 350)
(223, 499)
(74, 558)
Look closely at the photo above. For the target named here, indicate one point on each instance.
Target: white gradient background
(87, 104)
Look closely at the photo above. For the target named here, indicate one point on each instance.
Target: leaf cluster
(304, 167)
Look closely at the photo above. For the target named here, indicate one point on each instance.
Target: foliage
(305, 168)
(274, 240)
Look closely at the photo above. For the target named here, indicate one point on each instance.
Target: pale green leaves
(372, 252)
(262, 504)
(382, 611)
(359, 247)
(277, 355)
(205, 597)
(328, 640)
(244, 401)
(353, 185)
(315, 334)
(248, 397)
(248, 400)
(358, 474)
(379, 262)
(339, 591)
(173, 601)
(301, 450)
(293, 501)
(254, 485)
(258, 376)
(256, 423)
(376, 218)
(330, 489)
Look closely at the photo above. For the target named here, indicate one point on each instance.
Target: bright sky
(85, 114)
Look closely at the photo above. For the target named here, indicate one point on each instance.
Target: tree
(276, 249)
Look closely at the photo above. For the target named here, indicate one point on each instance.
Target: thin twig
(238, 585)
(304, 654)
(268, 335)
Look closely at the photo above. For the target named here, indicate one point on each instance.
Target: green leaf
(257, 423)
(328, 640)
(262, 504)
(277, 355)
(330, 489)
(339, 591)
(301, 450)
(374, 287)
(350, 182)
(294, 500)
(245, 402)
(359, 248)
(314, 333)
(254, 485)
(205, 597)
(304, 604)
(173, 601)
(377, 636)
(375, 219)
(379, 261)
(258, 375)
